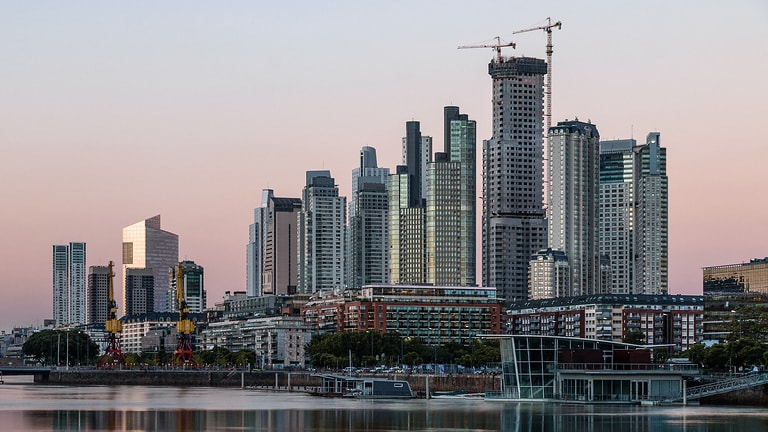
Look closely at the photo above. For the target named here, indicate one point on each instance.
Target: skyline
(115, 113)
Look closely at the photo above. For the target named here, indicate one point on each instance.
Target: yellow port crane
(497, 46)
(185, 326)
(114, 356)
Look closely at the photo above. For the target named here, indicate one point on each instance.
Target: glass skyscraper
(69, 284)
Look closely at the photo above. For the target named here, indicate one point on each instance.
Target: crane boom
(497, 46)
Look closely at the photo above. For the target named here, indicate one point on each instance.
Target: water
(28, 407)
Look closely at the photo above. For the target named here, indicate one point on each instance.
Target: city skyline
(191, 111)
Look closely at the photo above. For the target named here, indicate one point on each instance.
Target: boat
(458, 395)
(363, 387)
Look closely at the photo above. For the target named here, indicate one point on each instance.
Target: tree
(635, 337)
(53, 346)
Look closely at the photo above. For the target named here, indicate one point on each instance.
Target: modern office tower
(746, 278)
(271, 251)
(69, 284)
(192, 284)
(617, 212)
(550, 275)
(417, 153)
(451, 206)
(368, 232)
(514, 223)
(634, 215)
(140, 289)
(652, 216)
(61, 284)
(98, 294)
(146, 245)
(321, 230)
(574, 164)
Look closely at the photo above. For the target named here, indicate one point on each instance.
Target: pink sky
(114, 112)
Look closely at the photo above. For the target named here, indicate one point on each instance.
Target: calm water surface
(28, 407)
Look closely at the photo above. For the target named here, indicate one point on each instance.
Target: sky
(113, 112)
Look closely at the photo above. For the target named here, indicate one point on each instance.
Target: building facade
(139, 293)
(98, 294)
(271, 251)
(451, 206)
(147, 245)
(572, 215)
(69, 284)
(321, 235)
(550, 275)
(514, 221)
(193, 287)
(137, 327)
(368, 232)
(751, 277)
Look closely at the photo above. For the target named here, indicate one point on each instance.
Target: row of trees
(373, 348)
(217, 357)
(737, 354)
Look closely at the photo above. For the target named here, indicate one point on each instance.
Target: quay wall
(256, 379)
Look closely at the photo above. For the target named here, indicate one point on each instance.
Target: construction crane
(548, 86)
(497, 46)
(114, 356)
(185, 326)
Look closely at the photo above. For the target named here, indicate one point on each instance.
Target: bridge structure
(24, 370)
(753, 379)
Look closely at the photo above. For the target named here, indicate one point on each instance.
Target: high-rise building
(451, 206)
(98, 294)
(139, 294)
(550, 275)
(146, 245)
(417, 153)
(514, 224)
(321, 231)
(652, 215)
(69, 275)
(368, 233)
(634, 215)
(271, 251)
(192, 284)
(748, 278)
(572, 215)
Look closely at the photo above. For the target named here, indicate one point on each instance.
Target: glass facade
(751, 277)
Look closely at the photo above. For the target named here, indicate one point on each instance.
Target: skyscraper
(417, 153)
(574, 164)
(69, 283)
(192, 284)
(139, 293)
(514, 224)
(634, 216)
(368, 234)
(146, 245)
(98, 294)
(271, 251)
(652, 197)
(451, 208)
(321, 231)
(550, 275)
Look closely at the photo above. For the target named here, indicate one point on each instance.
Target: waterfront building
(514, 222)
(451, 206)
(139, 293)
(368, 232)
(278, 341)
(321, 235)
(271, 250)
(663, 319)
(751, 277)
(69, 284)
(550, 275)
(98, 294)
(586, 370)
(572, 215)
(193, 287)
(731, 314)
(435, 314)
(137, 327)
(146, 245)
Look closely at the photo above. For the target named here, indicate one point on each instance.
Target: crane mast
(185, 326)
(114, 356)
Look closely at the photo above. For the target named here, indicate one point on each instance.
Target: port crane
(184, 327)
(548, 85)
(114, 356)
(497, 46)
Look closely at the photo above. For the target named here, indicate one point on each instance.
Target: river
(25, 406)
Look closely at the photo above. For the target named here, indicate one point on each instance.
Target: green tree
(412, 359)
(636, 337)
(72, 347)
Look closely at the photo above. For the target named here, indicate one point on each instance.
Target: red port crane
(114, 356)
(185, 326)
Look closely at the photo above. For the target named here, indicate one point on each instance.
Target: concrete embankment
(260, 379)
(751, 396)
